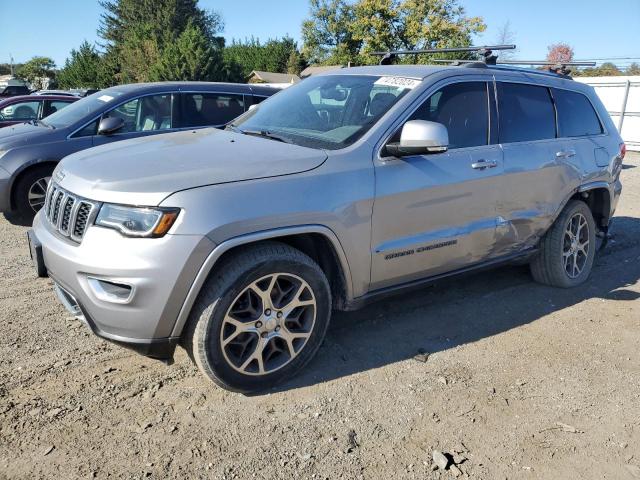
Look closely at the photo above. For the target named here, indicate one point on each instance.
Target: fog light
(110, 291)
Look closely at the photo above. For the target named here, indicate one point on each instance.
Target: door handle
(565, 154)
(482, 164)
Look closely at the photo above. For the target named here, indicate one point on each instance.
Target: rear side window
(463, 109)
(526, 113)
(210, 109)
(576, 117)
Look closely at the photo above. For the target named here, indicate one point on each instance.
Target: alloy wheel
(575, 245)
(37, 193)
(268, 324)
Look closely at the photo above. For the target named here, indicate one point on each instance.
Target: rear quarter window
(526, 113)
(576, 116)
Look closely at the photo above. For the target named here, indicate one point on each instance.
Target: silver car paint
(236, 189)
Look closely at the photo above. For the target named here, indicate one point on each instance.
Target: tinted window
(576, 117)
(210, 109)
(56, 105)
(20, 111)
(526, 113)
(463, 109)
(144, 114)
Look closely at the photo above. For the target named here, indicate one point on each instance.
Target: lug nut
(267, 312)
(258, 324)
(279, 315)
(278, 328)
(264, 334)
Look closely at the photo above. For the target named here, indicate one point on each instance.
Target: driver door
(436, 213)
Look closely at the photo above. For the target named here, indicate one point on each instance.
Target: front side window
(21, 111)
(203, 109)
(526, 113)
(576, 117)
(461, 107)
(144, 114)
(329, 112)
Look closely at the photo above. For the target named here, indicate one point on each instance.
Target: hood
(144, 171)
(24, 134)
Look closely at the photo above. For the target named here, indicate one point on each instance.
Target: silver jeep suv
(238, 244)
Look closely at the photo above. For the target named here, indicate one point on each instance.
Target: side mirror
(420, 137)
(110, 125)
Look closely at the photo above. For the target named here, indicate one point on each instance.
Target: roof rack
(486, 51)
(559, 68)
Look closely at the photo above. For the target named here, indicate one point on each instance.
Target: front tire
(29, 193)
(259, 318)
(568, 249)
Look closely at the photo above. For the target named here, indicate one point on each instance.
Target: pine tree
(81, 70)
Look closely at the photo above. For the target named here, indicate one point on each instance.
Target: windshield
(329, 112)
(77, 111)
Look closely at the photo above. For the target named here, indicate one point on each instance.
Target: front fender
(227, 245)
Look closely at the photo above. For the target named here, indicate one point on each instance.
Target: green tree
(191, 57)
(633, 69)
(272, 56)
(37, 72)
(327, 35)
(81, 70)
(339, 32)
(137, 33)
(607, 69)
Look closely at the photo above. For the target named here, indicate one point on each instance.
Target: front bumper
(158, 270)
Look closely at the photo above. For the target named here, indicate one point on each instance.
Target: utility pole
(11, 63)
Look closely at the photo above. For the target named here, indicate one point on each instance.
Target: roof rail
(388, 57)
(559, 68)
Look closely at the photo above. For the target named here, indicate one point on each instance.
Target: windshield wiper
(260, 133)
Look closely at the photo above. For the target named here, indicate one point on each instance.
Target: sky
(594, 28)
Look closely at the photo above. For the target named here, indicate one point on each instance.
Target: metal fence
(621, 97)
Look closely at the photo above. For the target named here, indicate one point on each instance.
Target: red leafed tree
(560, 53)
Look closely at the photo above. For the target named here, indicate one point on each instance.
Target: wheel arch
(24, 170)
(598, 198)
(317, 241)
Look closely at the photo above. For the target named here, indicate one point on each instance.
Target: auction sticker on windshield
(105, 98)
(399, 82)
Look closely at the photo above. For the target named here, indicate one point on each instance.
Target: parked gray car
(238, 243)
(30, 151)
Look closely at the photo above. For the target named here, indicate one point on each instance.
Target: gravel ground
(520, 381)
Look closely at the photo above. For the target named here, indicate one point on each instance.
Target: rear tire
(260, 317)
(29, 194)
(567, 250)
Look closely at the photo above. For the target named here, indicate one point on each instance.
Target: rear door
(537, 175)
(437, 213)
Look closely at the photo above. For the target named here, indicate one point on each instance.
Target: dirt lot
(509, 359)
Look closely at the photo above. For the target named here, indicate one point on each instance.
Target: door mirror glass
(420, 137)
(110, 125)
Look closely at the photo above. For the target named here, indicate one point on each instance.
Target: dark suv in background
(29, 152)
(13, 90)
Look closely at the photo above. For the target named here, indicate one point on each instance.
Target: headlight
(137, 222)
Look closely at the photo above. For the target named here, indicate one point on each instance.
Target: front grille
(69, 214)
